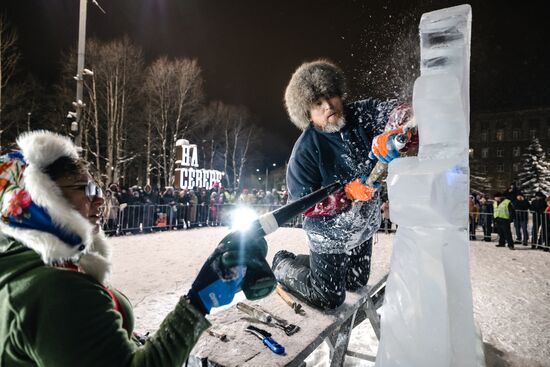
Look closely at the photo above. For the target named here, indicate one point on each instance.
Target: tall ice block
(427, 316)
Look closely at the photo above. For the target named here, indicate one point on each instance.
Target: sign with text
(188, 175)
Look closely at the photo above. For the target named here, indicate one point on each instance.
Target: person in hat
(334, 146)
(56, 305)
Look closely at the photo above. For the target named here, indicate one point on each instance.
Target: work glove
(238, 263)
(357, 190)
(383, 147)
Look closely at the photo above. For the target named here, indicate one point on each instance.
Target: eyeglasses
(91, 189)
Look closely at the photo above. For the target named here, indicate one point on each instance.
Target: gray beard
(333, 128)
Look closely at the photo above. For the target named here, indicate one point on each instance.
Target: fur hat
(312, 80)
(35, 212)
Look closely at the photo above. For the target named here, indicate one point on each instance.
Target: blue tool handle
(273, 345)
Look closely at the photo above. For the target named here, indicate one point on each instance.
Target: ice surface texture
(421, 193)
(427, 317)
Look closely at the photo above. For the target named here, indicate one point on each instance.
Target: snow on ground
(511, 289)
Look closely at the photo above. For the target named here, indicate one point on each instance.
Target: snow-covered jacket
(320, 158)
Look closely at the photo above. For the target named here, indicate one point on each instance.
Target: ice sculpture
(427, 316)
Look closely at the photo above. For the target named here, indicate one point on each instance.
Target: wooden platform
(243, 349)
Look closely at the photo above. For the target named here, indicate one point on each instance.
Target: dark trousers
(521, 229)
(504, 231)
(322, 279)
(536, 238)
(472, 229)
(487, 230)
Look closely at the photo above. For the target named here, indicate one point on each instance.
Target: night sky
(248, 49)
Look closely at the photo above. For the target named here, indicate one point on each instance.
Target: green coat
(61, 318)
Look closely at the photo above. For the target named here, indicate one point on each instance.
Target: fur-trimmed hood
(312, 80)
(35, 212)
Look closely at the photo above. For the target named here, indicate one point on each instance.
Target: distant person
(486, 217)
(111, 211)
(473, 216)
(503, 212)
(537, 206)
(521, 210)
(546, 226)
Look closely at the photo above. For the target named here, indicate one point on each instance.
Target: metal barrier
(126, 219)
(528, 228)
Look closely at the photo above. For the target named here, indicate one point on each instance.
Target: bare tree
(174, 91)
(209, 132)
(114, 91)
(8, 61)
(240, 135)
(113, 105)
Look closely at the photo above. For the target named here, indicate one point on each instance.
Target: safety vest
(501, 210)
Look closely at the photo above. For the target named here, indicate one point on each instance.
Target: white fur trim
(41, 147)
(97, 260)
(49, 247)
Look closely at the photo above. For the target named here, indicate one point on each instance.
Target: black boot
(279, 256)
(323, 285)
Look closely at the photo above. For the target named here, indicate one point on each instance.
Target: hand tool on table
(289, 301)
(267, 318)
(266, 338)
(222, 337)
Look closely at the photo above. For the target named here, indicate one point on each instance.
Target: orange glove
(357, 190)
(382, 145)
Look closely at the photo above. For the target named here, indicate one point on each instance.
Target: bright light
(242, 217)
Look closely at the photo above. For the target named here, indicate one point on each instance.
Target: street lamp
(81, 71)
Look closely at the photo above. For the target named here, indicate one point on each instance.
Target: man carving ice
(334, 146)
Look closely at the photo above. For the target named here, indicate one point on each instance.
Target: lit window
(500, 134)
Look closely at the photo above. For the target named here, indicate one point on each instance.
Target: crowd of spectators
(137, 209)
(529, 217)
(140, 209)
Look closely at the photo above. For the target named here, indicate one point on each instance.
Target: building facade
(499, 139)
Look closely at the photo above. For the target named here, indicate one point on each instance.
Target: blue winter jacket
(319, 159)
